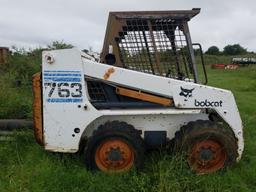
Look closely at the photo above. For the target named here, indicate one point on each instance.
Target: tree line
(235, 49)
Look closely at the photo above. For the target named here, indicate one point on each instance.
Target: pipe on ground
(15, 124)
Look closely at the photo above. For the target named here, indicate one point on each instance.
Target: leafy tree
(213, 50)
(235, 49)
(60, 45)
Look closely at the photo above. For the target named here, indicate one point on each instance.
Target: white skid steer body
(66, 103)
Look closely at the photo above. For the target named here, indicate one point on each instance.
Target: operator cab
(155, 42)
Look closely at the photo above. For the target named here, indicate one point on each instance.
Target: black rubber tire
(201, 130)
(115, 129)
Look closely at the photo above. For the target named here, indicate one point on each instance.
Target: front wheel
(208, 146)
(114, 147)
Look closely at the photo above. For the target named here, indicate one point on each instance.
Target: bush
(15, 102)
(235, 49)
(213, 50)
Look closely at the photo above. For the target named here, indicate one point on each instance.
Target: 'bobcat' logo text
(207, 103)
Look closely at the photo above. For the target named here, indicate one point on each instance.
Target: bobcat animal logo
(186, 92)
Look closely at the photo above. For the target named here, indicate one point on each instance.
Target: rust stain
(37, 109)
(108, 73)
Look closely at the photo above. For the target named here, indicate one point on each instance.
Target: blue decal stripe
(58, 74)
(61, 100)
(63, 79)
(54, 71)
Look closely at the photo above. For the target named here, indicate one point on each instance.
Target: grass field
(25, 166)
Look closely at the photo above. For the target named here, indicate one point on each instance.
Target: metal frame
(155, 42)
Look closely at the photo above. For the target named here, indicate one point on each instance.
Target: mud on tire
(208, 146)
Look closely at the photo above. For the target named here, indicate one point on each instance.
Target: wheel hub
(114, 155)
(207, 156)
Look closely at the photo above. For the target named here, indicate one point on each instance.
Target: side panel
(65, 102)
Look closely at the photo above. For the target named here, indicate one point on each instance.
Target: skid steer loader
(144, 94)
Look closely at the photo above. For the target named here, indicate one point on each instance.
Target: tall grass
(24, 166)
(15, 83)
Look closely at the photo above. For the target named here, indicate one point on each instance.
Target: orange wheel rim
(207, 156)
(114, 155)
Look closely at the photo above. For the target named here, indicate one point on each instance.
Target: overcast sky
(33, 23)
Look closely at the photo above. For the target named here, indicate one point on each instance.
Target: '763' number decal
(64, 90)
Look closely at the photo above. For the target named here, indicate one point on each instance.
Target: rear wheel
(207, 145)
(114, 147)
